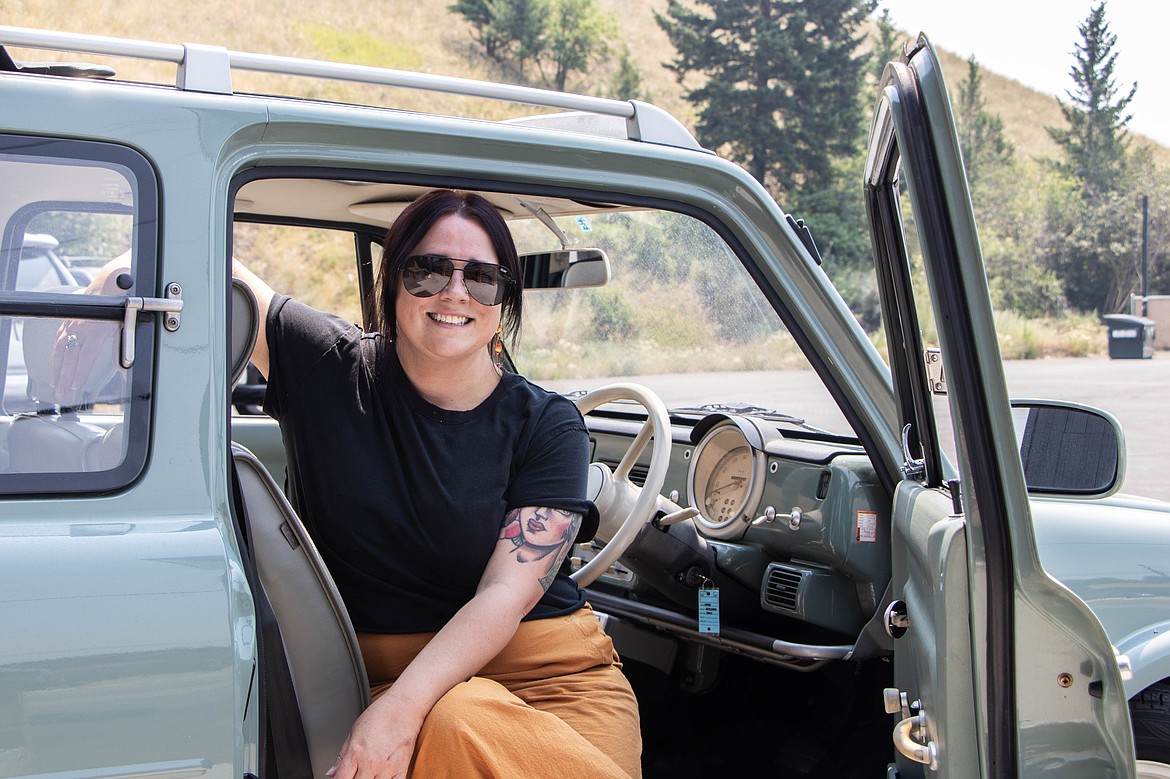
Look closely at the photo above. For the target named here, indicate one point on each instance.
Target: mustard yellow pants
(554, 702)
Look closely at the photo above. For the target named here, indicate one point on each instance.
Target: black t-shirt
(403, 499)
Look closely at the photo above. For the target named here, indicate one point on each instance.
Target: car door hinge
(912, 739)
(934, 371)
(897, 620)
(169, 307)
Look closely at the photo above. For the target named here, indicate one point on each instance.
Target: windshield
(679, 315)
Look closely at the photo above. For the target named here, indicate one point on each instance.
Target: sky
(1033, 42)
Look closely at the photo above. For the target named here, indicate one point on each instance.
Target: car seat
(319, 644)
(53, 438)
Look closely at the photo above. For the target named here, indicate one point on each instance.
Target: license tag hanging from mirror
(709, 607)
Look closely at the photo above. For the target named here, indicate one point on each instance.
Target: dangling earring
(498, 348)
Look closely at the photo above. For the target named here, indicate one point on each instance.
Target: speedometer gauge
(725, 481)
(728, 485)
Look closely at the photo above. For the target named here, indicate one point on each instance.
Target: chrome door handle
(904, 742)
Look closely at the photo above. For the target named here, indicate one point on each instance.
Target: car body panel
(158, 659)
(1119, 569)
(125, 612)
(155, 584)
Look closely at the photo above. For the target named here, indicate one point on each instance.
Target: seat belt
(284, 750)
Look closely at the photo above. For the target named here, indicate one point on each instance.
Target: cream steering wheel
(623, 506)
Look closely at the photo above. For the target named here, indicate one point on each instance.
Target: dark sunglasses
(426, 275)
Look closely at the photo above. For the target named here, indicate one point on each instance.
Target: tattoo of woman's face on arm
(541, 533)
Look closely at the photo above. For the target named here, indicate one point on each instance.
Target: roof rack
(204, 68)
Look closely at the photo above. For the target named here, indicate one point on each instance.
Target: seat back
(245, 326)
(53, 439)
(324, 660)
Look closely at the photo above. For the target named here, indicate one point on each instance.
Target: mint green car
(813, 562)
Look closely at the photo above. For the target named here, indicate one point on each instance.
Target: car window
(315, 265)
(931, 354)
(69, 398)
(680, 315)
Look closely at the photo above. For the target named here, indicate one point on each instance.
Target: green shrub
(613, 317)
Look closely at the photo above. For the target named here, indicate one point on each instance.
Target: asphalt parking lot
(1137, 392)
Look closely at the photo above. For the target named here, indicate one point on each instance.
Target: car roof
(208, 69)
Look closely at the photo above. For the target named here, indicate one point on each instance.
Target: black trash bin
(1130, 337)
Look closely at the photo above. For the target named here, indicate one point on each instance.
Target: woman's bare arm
(382, 740)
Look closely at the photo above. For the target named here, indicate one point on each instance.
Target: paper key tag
(709, 609)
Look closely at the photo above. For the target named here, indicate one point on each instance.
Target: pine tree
(479, 15)
(981, 134)
(781, 93)
(888, 45)
(1095, 144)
(626, 81)
(559, 37)
(1090, 246)
(521, 27)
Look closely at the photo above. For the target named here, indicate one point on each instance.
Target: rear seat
(53, 438)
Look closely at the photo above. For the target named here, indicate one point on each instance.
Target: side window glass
(77, 225)
(680, 314)
(928, 332)
(316, 266)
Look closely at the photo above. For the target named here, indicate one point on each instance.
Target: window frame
(137, 416)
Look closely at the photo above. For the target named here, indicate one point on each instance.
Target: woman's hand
(381, 743)
(80, 343)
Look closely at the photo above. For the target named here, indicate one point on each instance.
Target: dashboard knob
(769, 516)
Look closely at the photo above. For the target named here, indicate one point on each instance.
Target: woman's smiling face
(450, 325)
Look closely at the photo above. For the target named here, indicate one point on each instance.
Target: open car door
(1000, 671)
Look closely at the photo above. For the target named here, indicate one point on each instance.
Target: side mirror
(565, 268)
(1069, 449)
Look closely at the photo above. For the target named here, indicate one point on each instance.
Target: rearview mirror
(1069, 449)
(565, 268)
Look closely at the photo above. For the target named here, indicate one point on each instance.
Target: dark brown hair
(415, 222)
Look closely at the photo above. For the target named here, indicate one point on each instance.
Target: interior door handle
(170, 306)
(904, 742)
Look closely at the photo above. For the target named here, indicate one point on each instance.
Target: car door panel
(1018, 635)
(932, 661)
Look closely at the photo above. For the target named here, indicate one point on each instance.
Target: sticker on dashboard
(866, 527)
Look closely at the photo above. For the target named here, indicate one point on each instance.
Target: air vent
(637, 473)
(813, 593)
(781, 587)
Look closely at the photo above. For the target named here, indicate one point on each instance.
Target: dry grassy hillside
(423, 35)
(1025, 112)
(417, 35)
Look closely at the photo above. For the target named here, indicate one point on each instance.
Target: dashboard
(791, 528)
